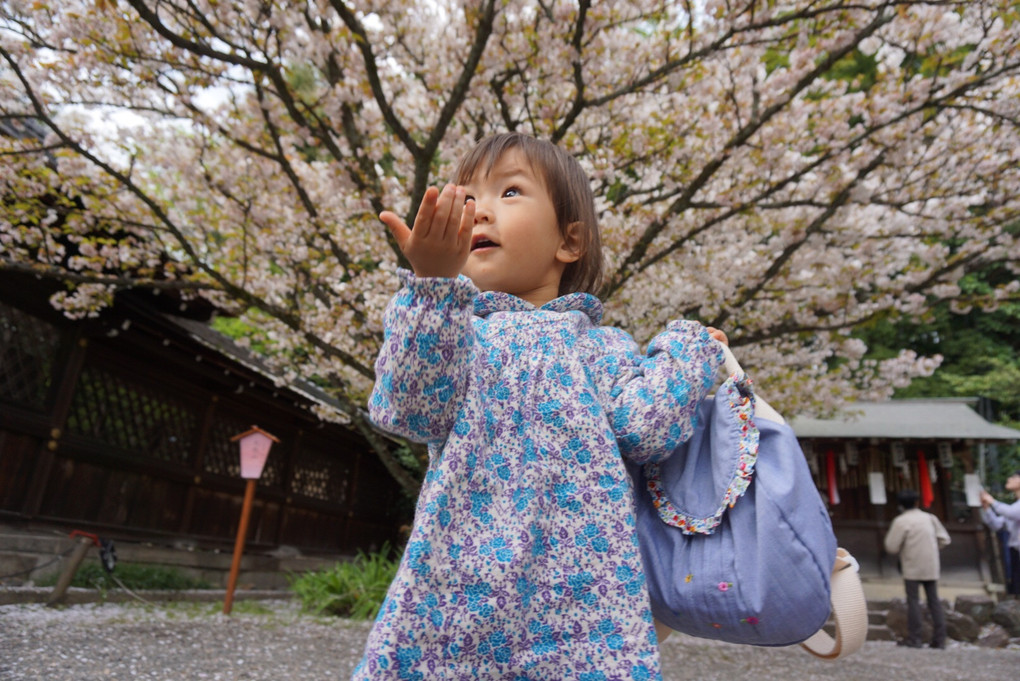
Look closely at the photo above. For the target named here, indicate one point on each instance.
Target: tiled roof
(940, 419)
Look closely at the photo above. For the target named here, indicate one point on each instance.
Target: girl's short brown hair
(569, 188)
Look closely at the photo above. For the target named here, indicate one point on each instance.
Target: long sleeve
(894, 538)
(941, 534)
(992, 519)
(423, 368)
(651, 400)
(1011, 511)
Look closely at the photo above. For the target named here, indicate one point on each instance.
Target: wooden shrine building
(861, 459)
(122, 425)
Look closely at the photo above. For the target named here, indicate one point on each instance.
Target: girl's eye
(468, 198)
(511, 192)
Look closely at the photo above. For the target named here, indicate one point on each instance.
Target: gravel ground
(272, 641)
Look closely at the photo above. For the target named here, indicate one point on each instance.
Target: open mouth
(482, 242)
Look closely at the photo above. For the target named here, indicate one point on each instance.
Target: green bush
(353, 588)
(134, 577)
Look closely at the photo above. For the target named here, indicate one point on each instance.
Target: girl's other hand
(718, 335)
(440, 242)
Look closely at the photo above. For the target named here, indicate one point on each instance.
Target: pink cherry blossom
(245, 160)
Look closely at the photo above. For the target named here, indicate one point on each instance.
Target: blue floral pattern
(523, 561)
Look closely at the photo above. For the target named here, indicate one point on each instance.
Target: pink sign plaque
(255, 444)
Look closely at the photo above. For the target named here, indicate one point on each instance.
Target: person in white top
(998, 515)
(917, 537)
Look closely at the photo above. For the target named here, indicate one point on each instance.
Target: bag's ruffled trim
(740, 399)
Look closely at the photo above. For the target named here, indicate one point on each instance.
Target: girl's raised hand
(440, 242)
(718, 335)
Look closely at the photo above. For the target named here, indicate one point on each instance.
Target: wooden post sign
(255, 444)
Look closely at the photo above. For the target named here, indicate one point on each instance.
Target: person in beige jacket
(917, 537)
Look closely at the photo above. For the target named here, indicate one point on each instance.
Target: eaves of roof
(940, 419)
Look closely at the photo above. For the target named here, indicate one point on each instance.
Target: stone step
(29, 556)
(880, 632)
(76, 596)
(34, 543)
(877, 630)
(883, 605)
(17, 569)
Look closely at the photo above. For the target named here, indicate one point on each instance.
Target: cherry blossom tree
(787, 171)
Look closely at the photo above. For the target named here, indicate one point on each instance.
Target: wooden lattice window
(134, 417)
(223, 457)
(320, 476)
(28, 348)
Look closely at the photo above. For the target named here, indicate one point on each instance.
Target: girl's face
(516, 245)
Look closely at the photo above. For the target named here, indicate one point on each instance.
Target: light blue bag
(735, 538)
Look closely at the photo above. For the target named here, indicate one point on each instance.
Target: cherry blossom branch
(127, 281)
(290, 320)
(637, 253)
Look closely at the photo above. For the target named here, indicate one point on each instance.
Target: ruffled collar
(489, 302)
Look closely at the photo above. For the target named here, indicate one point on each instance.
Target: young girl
(523, 562)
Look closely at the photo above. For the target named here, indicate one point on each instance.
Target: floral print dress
(523, 561)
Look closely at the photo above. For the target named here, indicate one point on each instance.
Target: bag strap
(762, 409)
(849, 606)
(849, 612)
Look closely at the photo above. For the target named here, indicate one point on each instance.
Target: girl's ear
(570, 245)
